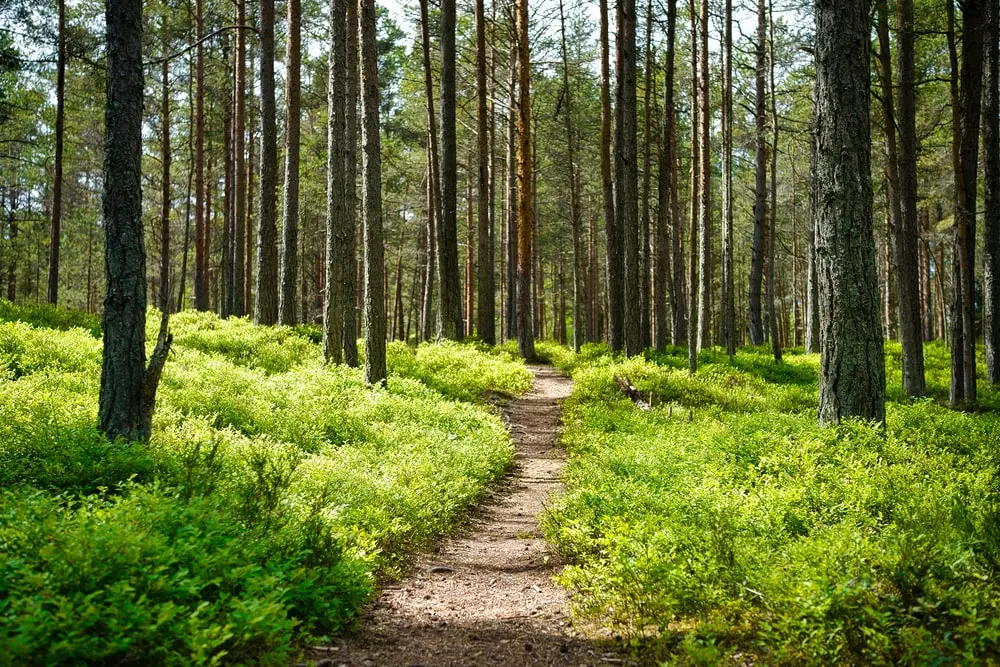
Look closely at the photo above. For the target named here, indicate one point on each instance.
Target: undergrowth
(274, 492)
(723, 525)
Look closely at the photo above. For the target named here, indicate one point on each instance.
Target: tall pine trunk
(450, 324)
(128, 386)
(991, 191)
(852, 362)
(615, 237)
(485, 324)
(906, 228)
(728, 323)
(754, 315)
(371, 198)
(290, 214)
(525, 187)
(55, 230)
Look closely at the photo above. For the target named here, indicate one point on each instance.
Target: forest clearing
(520, 332)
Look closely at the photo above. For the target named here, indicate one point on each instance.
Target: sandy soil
(486, 596)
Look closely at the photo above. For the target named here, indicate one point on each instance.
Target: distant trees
(677, 262)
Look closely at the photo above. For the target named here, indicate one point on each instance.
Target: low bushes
(274, 492)
(726, 523)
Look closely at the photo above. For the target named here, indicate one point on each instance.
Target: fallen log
(629, 390)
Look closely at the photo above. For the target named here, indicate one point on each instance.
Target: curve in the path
(486, 596)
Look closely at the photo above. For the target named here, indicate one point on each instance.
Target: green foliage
(725, 520)
(274, 491)
(50, 317)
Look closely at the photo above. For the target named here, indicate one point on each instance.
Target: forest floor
(487, 595)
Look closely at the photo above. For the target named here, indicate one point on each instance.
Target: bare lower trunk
(852, 364)
(371, 197)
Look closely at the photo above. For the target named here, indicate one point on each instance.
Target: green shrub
(274, 491)
(728, 521)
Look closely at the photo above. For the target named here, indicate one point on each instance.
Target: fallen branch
(631, 392)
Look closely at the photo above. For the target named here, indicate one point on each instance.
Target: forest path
(486, 595)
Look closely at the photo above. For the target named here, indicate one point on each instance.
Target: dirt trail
(486, 596)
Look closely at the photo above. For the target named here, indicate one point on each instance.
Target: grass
(723, 525)
(275, 492)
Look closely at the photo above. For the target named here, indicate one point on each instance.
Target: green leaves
(274, 491)
(726, 511)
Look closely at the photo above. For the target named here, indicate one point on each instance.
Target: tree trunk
(772, 246)
(352, 271)
(470, 256)
(201, 249)
(626, 175)
(664, 303)
(165, 158)
(485, 324)
(371, 197)
(581, 333)
(615, 237)
(991, 191)
(966, 94)
(756, 323)
(512, 210)
(907, 231)
(337, 298)
(525, 189)
(55, 231)
(852, 364)
(290, 222)
(728, 328)
(449, 281)
(128, 387)
(649, 83)
(704, 189)
(240, 173)
(266, 304)
(693, 340)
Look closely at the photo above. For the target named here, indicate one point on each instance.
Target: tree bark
(128, 387)
(615, 237)
(852, 362)
(352, 271)
(649, 84)
(512, 210)
(728, 328)
(907, 229)
(991, 191)
(966, 93)
(201, 249)
(626, 174)
(705, 271)
(772, 246)
(336, 302)
(371, 196)
(525, 189)
(165, 159)
(450, 322)
(266, 304)
(692, 285)
(486, 321)
(755, 321)
(581, 332)
(55, 231)
(664, 294)
(290, 214)
(240, 174)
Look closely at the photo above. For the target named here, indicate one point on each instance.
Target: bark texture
(371, 197)
(128, 387)
(852, 362)
(290, 214)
